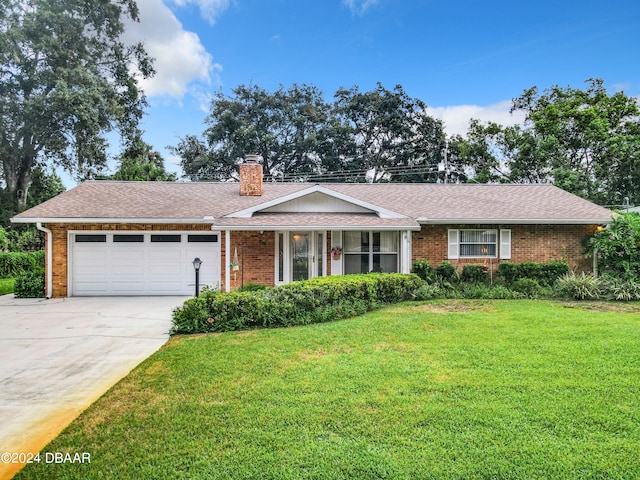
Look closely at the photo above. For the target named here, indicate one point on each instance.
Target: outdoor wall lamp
(196, 266)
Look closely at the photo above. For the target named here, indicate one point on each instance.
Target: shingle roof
(185, 202)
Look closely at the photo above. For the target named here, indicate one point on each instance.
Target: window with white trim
(367, 251)
(478, 243)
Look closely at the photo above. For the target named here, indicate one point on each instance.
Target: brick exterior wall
(529, 243)
(258, 251)
(538, 243)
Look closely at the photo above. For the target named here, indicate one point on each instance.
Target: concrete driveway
(58, 356)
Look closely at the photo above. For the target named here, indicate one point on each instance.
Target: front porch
(276, 257)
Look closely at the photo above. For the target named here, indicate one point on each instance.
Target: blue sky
(463, 58)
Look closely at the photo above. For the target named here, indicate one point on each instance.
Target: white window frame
(371, 253)
(502, 243)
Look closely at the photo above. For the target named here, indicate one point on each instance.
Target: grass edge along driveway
(443, 389)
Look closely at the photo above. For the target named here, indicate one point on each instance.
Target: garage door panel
(124, 269)
(142, 267)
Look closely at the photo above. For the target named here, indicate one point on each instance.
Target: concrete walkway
(58, 356)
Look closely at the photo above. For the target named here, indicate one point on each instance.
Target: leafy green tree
(379, 135)
(390, 134)
(140, 163)
(584, 141)
(66, 78)
(587, 138)
(618, 246)
(284, 127)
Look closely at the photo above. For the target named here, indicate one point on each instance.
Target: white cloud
(180, 57)
(359, 7)
(456, 118)
(210, 9)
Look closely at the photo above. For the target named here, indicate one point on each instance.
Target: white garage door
(142, 263)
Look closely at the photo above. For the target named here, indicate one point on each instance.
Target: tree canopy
(362, 136)
(138, 163)
(584, 141)
(66, 78)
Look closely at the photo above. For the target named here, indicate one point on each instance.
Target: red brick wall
(529, 243)
(258, 251)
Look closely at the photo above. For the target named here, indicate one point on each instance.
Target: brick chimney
(251, 176)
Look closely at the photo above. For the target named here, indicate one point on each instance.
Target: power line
(338, 175)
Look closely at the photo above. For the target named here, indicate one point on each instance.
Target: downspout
(49, 292)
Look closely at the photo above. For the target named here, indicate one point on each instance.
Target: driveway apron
(58, 356)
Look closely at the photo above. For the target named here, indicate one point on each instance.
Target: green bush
(474, 274)
(508, 271)
(528, 287)
(621, 289)
(551, 271)
(298, 303)
(580, 286)
(424, 270)
(446, 272)
(13, 264)
(544, 273)
(428, 291)
(618, 246)
(252, 287)
(30, 284)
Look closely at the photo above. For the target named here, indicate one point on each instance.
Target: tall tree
(284, 127)
(66, 79)
(585, 141)
(139, 162)
(379, 135)
(390, 132)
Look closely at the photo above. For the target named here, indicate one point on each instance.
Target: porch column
(405, 252)
(227, 261)
(336, 241)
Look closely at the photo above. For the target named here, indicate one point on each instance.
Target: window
(128, 238)
(202, 238)
(91, 238)
(370, 252)
(479, 243)
(166, 238)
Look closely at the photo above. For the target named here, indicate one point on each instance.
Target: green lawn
(6, 285)
(445, 389)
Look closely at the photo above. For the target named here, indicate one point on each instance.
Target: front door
(300, 256)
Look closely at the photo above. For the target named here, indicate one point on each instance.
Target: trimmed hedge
(30, 284)
(544, 273)
(13, 264)
(318, 300)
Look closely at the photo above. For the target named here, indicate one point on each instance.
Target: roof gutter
(515, 221)
(203, 220)
(39, 226)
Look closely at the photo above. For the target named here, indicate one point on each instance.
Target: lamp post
(196, 265)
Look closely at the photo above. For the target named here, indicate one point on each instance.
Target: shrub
(30, 284)
(528, 287)
(474, 274)
(618, 246)
(508, 271)
(579, 286)
(621, 289)
(312, 301)
(424, 270)
(13, 264)
(447, 272)
(428, 292)
(544, 273)
(551, 271)
(252, 287)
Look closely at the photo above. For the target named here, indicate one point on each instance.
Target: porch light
(196, 266)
